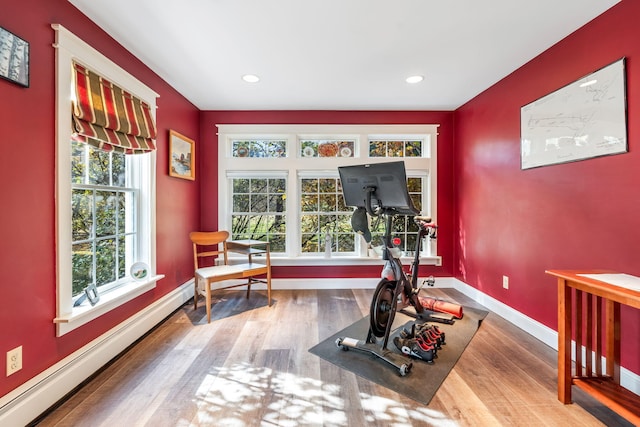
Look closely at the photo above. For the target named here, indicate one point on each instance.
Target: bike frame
(406, 286)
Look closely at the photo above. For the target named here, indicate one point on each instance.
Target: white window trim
(71, 48)
(300, 166)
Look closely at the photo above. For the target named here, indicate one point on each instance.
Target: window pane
(81, 215)
(413, 149)
(326, 148)
(241, 203)
(346, 243)
(105, 261)
(118, 169)
(105, 213)
(309, 185)
(258, 203)
(327, 202)
(122, 212)
(258, 185)
(309, 202)
(78, 165)
(122, 257)
(327, 185)
(277, 242)
(377, 149)
(240, 185)
(98, 167)
(395, 148)
(259, 148)
(277, 203)
(414, 185)
(82, 262)
(417, 201)
(309, 243)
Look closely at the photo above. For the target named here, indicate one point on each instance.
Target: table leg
(613, 340)
(564, 341)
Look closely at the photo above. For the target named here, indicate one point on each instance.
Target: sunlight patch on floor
(245, 395)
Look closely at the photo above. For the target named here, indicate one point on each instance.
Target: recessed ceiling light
(415, 79)
(251, 78)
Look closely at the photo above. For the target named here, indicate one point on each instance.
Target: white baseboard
(28, 401)
(628, 379)
(22, 405)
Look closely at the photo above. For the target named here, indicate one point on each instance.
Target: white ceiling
(337, 54)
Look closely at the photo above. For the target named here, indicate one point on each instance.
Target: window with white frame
(281, 183)
(105, 201)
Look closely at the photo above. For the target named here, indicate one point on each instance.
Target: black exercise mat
(424, 379)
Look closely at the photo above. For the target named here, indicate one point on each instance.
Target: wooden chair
(213, 275)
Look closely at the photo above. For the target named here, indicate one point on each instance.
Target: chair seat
(234, 271)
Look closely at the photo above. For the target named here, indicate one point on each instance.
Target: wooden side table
(580, 315)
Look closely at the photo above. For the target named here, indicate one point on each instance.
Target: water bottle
(327, 245)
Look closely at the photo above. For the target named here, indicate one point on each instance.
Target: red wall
(494, 218)
(27, 168)
(209, 183)
(578, 215)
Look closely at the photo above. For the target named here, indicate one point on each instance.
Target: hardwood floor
(250, 367)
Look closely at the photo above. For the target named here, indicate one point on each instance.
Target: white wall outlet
(505, 282)
(14, 360)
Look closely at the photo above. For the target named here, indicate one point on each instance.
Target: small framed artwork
(92, 294)
(14, 58)
(182, 156)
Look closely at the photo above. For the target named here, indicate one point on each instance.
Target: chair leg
(269, 289)
(269, 286)
(208, 298)
(249, 286)
(195, 293)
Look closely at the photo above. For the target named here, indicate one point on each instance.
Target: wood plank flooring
(251, 367)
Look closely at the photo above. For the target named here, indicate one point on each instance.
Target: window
(104, 200)
(281, 183)
(324, 216)
(259, 210)
(103, 217)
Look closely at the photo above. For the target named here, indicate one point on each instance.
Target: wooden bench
(212, 274)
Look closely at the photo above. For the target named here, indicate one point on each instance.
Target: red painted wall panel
(209, 183)
(27, 178)
(569, 216)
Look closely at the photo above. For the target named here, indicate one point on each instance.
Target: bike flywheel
(382, 306)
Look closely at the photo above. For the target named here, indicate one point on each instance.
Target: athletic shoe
(412, 348)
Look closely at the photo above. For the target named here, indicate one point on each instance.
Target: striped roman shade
(109, 118)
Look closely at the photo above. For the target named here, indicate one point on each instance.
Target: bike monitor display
(387, 183)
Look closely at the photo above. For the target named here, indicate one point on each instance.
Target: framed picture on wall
(14, 58)
(182, 156)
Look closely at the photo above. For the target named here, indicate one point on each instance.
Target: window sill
(108, 301)
(354, 260)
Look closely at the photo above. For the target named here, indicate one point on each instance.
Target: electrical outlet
(505, 282)
(14, 360)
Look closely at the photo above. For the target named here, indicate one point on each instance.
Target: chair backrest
(206, 244)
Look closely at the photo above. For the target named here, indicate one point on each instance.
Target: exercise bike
(397, 290)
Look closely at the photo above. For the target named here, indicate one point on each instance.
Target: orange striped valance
(109, 118)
